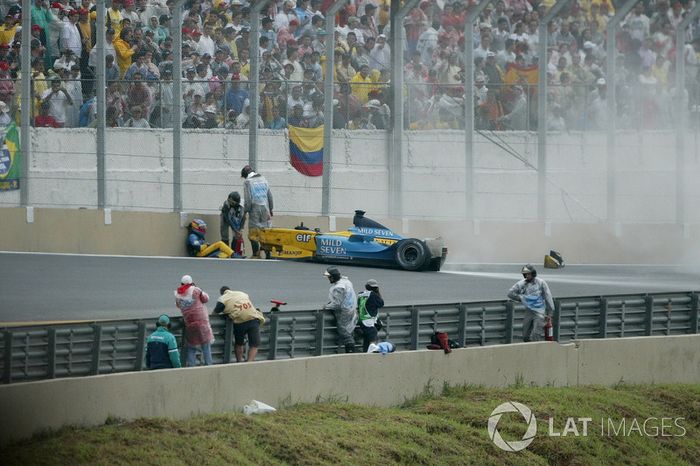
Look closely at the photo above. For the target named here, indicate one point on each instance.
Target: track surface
(55, 287)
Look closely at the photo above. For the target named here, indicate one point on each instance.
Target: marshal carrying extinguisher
(549, 330)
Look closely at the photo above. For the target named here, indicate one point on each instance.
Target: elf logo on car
(304, 237)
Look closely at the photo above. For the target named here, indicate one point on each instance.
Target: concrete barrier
(83, 231)
(652, 360)
(28, 408)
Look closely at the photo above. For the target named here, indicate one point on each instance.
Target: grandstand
(573, 108)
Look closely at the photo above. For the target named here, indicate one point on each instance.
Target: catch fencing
(80, 349)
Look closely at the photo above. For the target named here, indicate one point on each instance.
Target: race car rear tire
(411, 254)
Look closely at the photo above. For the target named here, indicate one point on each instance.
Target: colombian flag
(306, 150)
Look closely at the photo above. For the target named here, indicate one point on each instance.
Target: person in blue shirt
(278, 121)
(236, 97)
(304, 14)
(161, 347)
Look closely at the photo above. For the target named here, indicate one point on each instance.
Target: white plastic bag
(257, 407)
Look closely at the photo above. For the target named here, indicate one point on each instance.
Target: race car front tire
(411, 254)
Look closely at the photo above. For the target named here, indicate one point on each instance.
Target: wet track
(54, 287)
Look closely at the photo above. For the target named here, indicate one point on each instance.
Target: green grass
(447, 429)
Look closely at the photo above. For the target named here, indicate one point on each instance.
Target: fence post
(320, 328)
(510, 312)
(140, 346)
(603, 323)
(648, 314)
(556, 320)
(693, 313)
(96, 344)
(228, 337)
(7, 373)
(51, 369)
(462, 335)
(183, 344)
(415, 321)
(272, 354)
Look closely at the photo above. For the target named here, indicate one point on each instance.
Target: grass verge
(447, 429)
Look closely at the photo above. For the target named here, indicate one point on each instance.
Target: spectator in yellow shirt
(8, 30)
(361, 84)
(124, 50)
(246, 318)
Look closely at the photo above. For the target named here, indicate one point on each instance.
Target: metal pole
(469, 107)
(328, 106)
(542, 109)
(682, 121)
(397, 117)
(612, 110)
(100, 89)
(26, 101)
(254, 80)
(177, 103)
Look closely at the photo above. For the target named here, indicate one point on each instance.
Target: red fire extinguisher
(549, 330)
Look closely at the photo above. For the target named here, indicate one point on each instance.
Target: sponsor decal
(376, 232)
(304, 237)
(385, 241)
(331, 247)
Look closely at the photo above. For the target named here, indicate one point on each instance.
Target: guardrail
(73, 350)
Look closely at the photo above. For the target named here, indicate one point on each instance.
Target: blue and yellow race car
(365, 243)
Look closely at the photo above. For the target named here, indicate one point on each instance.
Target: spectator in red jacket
(191, 301)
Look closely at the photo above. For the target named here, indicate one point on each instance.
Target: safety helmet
(333, 273)
(529, 269)
(198, 225)
(234, 196)
(245, 171)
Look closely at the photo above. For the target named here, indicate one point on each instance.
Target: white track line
(612, 280)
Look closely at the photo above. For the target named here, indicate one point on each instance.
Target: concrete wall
(84, 231)
(26, 408)
(139, 174)
(162, 234)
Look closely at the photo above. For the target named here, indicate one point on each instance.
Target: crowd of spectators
(506, 64)
(292, 47)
